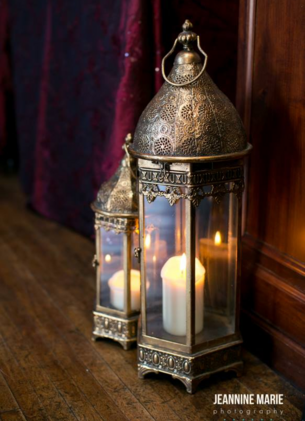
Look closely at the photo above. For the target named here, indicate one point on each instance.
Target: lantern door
(118, 275)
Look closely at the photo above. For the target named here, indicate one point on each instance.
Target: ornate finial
(127, 160)
(128, 139)
(187, 25)
(187, 36)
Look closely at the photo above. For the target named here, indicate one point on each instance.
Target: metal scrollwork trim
(118, 225)
(174, 364)
(120, 330)
(195, 194)
(165, 176)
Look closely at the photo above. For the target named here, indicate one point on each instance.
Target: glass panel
(135, 274)
(164, 245)
(200, 273)
(216, 249)
(111, 269)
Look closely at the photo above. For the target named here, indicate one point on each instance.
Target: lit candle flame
(183, 263)
(154, 258)
(147, 241)
(217, 239)
(107, 258)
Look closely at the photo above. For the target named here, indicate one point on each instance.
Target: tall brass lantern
(190, 144)
(117, 274)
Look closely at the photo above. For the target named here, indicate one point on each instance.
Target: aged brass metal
(116, 209)
(186, 58)
(190, 144)
(193, 118)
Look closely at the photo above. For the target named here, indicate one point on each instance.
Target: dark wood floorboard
(51, 369)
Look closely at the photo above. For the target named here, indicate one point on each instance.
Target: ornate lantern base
(118, 329)
(190, 369)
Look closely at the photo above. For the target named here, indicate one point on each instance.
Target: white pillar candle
(116, 285)
(173, 276)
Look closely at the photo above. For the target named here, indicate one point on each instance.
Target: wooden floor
(51, 369)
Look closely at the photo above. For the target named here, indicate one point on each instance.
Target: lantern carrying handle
(196, 77)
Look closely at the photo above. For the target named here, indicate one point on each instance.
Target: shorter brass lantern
(190, 144)
(117, 271)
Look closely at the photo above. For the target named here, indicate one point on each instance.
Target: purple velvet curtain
(81, 73)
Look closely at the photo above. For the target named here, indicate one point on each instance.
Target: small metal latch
(137, 253)
(164, 167)
(95, 262)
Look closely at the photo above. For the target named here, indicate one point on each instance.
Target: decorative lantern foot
(190, 369)
(120, 330)
(238, 368)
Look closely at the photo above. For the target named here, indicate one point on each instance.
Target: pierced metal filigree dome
(189, 116)
(117, 197)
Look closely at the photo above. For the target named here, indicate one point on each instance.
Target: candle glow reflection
(217, 239)
(147, 241)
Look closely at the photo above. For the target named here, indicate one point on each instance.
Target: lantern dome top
(189, 117)
(117, 197)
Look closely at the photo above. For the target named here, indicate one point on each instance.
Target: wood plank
(7, 400)
(12, 416)
(287, 269)
(277, 350)
(275, 301)
(51, 398)
(268, 380)
(19, 383)
(247, 10)
(65, 371)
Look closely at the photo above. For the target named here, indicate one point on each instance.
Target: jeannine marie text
(249, 399)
